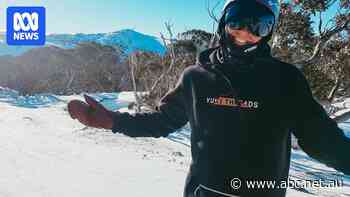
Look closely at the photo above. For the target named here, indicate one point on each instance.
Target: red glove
(91, 113)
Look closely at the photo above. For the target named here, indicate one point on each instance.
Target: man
(242, 105)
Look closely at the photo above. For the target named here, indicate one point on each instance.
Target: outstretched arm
(170, 115)
(318, 135)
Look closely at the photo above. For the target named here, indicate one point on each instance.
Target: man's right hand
(91, 113)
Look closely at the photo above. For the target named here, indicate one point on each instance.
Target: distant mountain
(128, 39)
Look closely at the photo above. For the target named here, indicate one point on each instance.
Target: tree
(89, 67)
(156, 74)
(317, 45)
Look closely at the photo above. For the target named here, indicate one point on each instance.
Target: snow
(45, 153)
(39, 100)
(344, 103)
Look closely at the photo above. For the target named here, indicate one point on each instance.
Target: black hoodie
(242, 112)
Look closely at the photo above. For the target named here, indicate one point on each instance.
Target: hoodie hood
(237, 60)
(214, 59)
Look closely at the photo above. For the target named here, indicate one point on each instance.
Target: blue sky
(92, 16)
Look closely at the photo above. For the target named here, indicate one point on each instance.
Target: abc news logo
(25, 26)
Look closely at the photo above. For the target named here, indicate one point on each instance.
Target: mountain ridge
(128, 39)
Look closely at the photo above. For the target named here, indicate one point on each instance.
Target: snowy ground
(45, 153)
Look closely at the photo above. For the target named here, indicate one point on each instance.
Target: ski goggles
(254, 17)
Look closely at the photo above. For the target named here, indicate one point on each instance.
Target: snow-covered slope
(45, 153)
(128, 39)
(39, 100)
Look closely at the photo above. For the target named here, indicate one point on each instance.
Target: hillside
(127, 39)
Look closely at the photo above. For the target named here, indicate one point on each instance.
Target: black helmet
(260, 16)
(272, 5)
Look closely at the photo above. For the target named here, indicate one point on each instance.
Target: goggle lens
(257, 19)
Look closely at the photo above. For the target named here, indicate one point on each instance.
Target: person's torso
(238, 125)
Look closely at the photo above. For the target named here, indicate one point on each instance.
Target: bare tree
(70, 74)
(326, 30)
(212, 12)
(142, 69)
(133, 62)
(170, 48)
